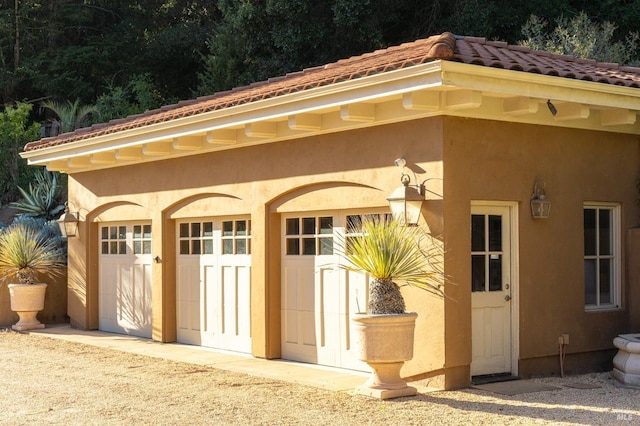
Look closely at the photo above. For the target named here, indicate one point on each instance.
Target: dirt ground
(54, 382)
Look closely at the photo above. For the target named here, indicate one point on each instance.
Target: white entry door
(125, 279)
(214, 283)
(491, 286)
(318, 298)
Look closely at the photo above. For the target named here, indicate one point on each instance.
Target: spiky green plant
(43, 199)
(392, 253)
(26, 253)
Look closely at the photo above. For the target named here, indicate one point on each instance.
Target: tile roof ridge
(547, 54)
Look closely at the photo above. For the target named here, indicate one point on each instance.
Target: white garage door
(318, 297)
(214, 283)
(125, 279)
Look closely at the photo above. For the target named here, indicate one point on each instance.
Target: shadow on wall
(55, 303)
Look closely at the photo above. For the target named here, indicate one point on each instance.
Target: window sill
(605, 308)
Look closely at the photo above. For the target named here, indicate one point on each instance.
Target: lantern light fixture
(68, 222)
(406, 200)
(540, 205)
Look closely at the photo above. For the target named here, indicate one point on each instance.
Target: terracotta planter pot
(27, 300)
(386, 342)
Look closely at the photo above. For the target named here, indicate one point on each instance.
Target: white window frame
(616, 264)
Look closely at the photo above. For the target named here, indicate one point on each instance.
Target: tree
(582, 38)
(71, 115)
(16, 130)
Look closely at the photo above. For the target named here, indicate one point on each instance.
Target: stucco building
(210, 222)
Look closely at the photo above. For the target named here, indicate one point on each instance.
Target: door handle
(507, 297)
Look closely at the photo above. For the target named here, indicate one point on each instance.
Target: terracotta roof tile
(446, 46)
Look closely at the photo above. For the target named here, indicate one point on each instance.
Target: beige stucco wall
(495, 161)
(464, 159)
(351, 170)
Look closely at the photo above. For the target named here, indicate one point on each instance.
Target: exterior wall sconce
(68, 222)
(406, 200)
(540, 206)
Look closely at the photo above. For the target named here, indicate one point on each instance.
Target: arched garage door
(318, 297)
(214, 283)
(125, 278)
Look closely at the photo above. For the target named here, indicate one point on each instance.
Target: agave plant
(392, 253)
(26, 253)
(43, 197)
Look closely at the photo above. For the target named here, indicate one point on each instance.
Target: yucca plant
(394, 255)
(26, 252)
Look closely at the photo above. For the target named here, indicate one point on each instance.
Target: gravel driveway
(55, 382)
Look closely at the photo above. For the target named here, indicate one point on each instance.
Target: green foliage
(582, 38)
(16, 129)
(44, 197)
(137, 96)
(392, 253)
(71, 115)
(26, 252)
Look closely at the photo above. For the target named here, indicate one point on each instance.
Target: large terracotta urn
(27, 300)
(386, 342)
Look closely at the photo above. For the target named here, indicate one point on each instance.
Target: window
(309, 236)
(114, 240)
(196, 238)
(486, 252)
(236, 237)
(601, 256)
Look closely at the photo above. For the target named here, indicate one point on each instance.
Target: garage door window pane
(326, 246)
(184, 247)
(293, 246)
(293, 226)
(184, 230)
(241, 247)
(195, 230)
(207, 247)
(309, 225)
(227, 246)
(227, 228)
(241, 227)
(309, 246)
(105, 233)
(326, 225)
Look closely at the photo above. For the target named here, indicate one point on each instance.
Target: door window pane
(495, 233)
(495, 272)
(477, 273)
(477, 232)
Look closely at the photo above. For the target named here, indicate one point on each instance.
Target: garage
(125, 278)
(318, 296)
(213, 273)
